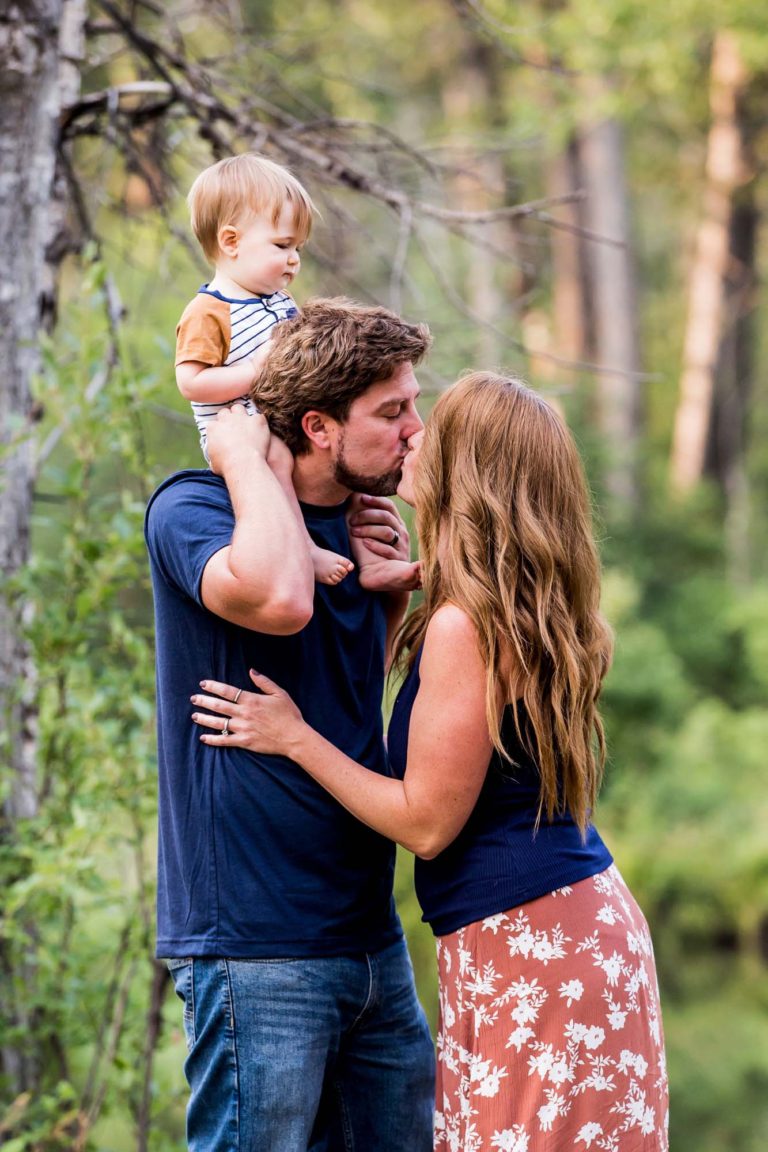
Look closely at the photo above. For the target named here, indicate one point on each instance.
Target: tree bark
(40, 51)
(725, 458)
(571, 294)
(725, 172)
(28, 118)
(471, 102)
(615, 308)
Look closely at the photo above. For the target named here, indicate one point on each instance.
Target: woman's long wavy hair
(505, 532)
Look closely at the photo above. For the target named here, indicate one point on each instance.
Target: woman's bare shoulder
(451, 640)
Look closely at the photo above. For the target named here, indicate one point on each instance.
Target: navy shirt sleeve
(189, 520)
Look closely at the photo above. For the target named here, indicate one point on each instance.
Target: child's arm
(215, 384)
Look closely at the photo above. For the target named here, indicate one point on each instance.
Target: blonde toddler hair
(241, 187)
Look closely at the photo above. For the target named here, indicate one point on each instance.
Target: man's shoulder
(198, 485)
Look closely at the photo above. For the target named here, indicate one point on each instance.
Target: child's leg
(330, 567)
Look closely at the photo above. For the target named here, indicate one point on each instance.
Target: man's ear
(228, 237)
(320, 429)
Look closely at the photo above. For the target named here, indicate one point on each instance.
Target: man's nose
(414, 425)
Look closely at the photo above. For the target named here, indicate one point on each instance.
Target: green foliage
(683, 806)
(78, 878)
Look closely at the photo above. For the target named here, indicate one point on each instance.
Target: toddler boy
(252, 217)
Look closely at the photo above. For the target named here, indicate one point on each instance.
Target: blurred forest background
(571, 190)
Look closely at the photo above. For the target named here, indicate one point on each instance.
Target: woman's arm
(449, 746)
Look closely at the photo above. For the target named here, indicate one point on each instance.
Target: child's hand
(234, 434)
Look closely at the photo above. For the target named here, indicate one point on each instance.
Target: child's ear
(229, 238)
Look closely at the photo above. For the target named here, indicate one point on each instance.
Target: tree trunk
(725, 458)
(471, 102)
(28, 115)
(725, 172)
(571, 295)
(38, 72)
(612, 276)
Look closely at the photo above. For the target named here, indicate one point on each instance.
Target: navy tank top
(499, 860)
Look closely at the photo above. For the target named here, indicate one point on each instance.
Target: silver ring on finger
(225, 729)
(395, 538)
(238, 694)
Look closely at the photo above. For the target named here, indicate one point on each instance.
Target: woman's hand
(266, 721)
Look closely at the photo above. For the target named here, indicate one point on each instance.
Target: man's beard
(385, 485)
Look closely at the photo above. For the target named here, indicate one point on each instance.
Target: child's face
(266, 256)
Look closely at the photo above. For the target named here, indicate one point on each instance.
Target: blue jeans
(323, 1054)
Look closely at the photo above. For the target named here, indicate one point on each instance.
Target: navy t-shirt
(498, 861)
(255, 859)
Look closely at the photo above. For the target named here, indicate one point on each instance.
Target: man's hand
(233, 435)
(376, 523)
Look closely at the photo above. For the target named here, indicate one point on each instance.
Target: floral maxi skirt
(550, 1031)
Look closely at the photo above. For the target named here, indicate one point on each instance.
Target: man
(275, 906)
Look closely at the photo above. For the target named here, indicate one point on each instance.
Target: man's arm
(263, 580)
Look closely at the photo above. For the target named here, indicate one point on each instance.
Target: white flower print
(616, 1015)
(588, 1132)
(575, 1032)
(604, 883)
(519, 1037)
(541, 945)
(512, 1139)
(482, 985)
(481, 1016)
(541, 1063)
(612, 967)
(608, 915)
(490, 1085)
(525, 1012)
(593, 1082)
(523, 990)
(477, 1067)
(493, 923)
(571, 990)
(590, 944)
(556, 1106)
(632, 1062)
(546, 949)
(521, 940)
(465, 960)
(598, 1078)
(594, 1037)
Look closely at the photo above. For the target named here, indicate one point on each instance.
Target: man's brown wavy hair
(326, 357)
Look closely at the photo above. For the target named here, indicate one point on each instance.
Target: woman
(550, 1030)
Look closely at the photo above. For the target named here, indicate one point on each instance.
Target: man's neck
(313, 484)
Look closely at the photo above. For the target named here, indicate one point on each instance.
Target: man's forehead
(401, 385)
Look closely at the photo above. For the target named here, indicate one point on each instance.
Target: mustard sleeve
(203, 333)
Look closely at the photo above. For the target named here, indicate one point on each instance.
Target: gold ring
(238, 694)
(225, 729)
